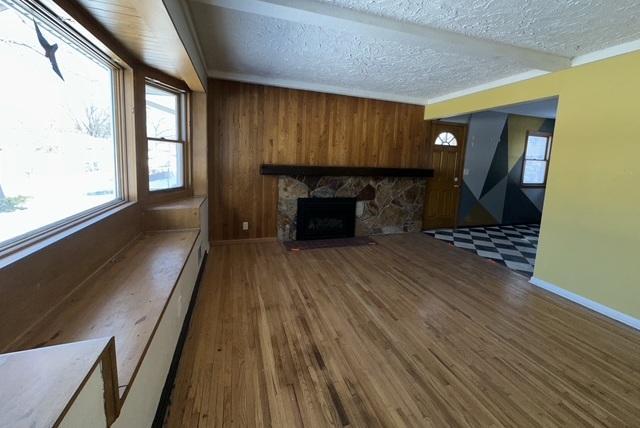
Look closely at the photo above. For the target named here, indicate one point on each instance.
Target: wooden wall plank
(254, 124)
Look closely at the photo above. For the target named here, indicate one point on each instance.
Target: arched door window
(446, 139)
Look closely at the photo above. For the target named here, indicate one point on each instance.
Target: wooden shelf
(125, 299)
(38, 385)
(180, 214)
(184, 203)
(343, 171)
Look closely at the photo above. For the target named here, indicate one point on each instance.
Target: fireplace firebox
(326, 218)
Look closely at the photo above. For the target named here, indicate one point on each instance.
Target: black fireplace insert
(326, 218)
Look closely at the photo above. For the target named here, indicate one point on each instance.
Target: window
(536, 159)
(446, 139)
(165, 137)
(59, 152)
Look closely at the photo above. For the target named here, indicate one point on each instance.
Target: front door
(443, 190)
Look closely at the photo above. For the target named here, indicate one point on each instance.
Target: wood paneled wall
(254, 124)
(199, 143)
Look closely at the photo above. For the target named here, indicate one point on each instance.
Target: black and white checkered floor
(513, 246)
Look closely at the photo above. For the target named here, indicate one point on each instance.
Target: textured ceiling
(564, 27)
(268, 49)
(279, 49)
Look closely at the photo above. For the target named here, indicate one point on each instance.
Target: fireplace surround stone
(384, 204)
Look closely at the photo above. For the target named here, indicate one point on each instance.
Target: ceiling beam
(328, 16)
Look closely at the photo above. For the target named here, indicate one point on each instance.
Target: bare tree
(11, 203)
(159, 128)
(96, 122)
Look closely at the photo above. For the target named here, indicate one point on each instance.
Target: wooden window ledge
(29, 377)
(193, 202)
(184, 213)
(125, 299)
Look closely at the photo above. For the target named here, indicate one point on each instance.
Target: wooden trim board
(40, 385)
(343, 171)
(165, 396)
(243, 241)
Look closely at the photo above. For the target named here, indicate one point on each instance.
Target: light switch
(245, 225)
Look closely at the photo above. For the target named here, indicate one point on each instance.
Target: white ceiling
(563, 27)
(404, 50)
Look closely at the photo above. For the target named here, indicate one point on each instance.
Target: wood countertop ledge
(180, 214)
(184, 203)
(125, 299)
(39, 385)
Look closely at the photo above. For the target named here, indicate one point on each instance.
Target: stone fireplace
(384, 205)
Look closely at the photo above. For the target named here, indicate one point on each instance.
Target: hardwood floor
(411, 332)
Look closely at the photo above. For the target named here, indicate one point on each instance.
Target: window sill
(37, 243)
(163, 196)
(169, 190)
(127, 298)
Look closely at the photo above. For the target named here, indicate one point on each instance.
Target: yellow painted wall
(590, 235)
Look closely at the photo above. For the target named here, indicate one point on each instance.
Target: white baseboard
(594, 306)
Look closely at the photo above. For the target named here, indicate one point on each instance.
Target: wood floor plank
(410, 332)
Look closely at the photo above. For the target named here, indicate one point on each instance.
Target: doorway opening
(502, 183)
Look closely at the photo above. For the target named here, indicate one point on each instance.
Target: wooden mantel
(343, 171)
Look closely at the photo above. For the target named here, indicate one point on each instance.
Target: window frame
(81, 42)
(547, 158)
(182, 129)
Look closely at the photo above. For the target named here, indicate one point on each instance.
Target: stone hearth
(385, 204)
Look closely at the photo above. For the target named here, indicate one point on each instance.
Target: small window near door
(536, 159)
(446, 139)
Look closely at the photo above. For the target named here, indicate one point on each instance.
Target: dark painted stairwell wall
(491, 190)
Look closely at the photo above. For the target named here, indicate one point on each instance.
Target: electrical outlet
(245, 225)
